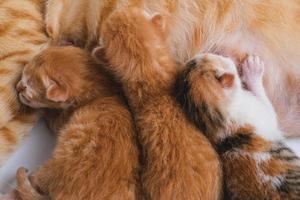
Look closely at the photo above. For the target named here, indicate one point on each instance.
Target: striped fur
(254, 168)
(21, 37)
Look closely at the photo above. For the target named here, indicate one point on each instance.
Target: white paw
(252, 72)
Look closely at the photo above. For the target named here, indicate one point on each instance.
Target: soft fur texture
(255, 164)
(269, 29)
(21, 37)
(96, 156)
(179, 162)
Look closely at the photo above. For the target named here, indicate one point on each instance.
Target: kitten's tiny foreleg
(252, 74)
(252, 71)
(25, 189)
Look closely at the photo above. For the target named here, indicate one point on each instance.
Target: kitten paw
(26, 187)
(252, 73)
(22, 178)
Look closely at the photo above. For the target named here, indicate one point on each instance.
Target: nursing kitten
(96, 156)
(270, 29)
(179, 162)
(242, 126)
(21, 37)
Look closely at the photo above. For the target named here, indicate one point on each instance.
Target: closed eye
(29, 83)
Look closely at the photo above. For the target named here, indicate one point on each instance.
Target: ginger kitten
(179, 162)
(96, 156)
(242, 125)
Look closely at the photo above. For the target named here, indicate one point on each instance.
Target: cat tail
(13, 133)
(25, 187)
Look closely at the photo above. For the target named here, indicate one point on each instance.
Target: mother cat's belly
(270, 30)
(282, 83)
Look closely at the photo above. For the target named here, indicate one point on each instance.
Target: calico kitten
(179, 162)
(96, 156)
(22, 36)
(241, 125)
(270, 29)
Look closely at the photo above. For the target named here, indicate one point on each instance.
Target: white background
(34, 151)
(37, 149)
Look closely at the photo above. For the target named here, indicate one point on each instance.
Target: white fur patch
(247, 109)
(261, 157)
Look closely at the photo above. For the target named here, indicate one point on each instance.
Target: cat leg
(252, 71)
(26, 188)
(252, 75)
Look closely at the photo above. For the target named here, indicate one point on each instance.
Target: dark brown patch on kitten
(207, 118)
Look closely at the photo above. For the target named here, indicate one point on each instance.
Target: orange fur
(179, 162)
(96, 156)
(269, 29)
(21, 25)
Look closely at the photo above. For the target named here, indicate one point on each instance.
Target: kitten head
(56, 78)
(206, 88)
(218, 74)
(131, 33)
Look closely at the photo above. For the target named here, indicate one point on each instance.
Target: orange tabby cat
(270, 29)
(179, 162)
(21, 37)
(96, 156)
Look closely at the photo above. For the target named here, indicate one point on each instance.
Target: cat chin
(31, 104)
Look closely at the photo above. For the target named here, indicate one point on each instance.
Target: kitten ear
(99, 54)
(55, 92)
(159, 21)
(226, 80)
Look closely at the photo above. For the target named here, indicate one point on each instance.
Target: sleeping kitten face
(29, 88)
(56, 78)
(217, 77)
(206, 90)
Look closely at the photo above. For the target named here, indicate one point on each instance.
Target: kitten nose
(20, 87)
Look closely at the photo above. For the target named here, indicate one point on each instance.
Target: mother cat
(22, 35)
(268, 28)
